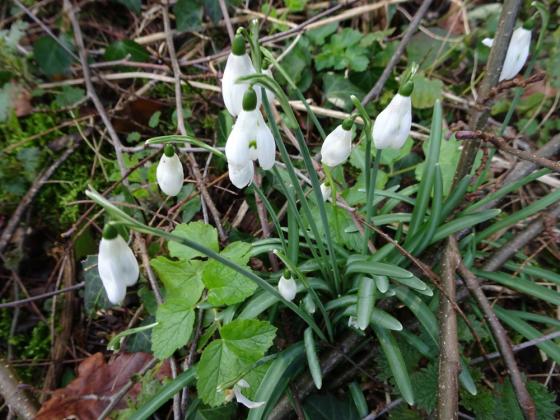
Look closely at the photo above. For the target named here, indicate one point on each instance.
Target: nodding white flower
(326, 191)
(242, 399)
(169, 172)
(116, 264)
(517, 53)
(287, 287)
(392, 126)
(249, 140)
(238, 65)
(338, 144)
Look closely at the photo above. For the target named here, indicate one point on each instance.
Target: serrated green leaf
(182, 279)
(243, 342)
(188, 15)
(51, 57)
(337, 90)
(196, 231)
(174, 328)
(225, 286)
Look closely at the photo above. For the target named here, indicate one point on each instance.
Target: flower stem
(370, 188)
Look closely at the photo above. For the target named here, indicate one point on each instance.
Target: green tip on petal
(347, 123)
(406, 89)
(529, 24)
(287, 274)
(169, 150)
(238, 44)
(110, 232)
(250, 99)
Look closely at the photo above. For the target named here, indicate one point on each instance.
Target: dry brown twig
(504, 345)
(502, 144)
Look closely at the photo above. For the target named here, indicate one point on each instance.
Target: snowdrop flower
(249, 140)
(238, 65)
(287, 287)
(326, 191)
(169, 172)
(242, 399)
(117, 265)
(392, 126)
(338, 144)
(518, 51)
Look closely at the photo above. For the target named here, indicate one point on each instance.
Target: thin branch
(479, 114)
(30, 195)
(225, 14)
(181, 125)
(42, 296)
(449, 363)
(411, 30)
(518, 347)
(525, 401)
(15, 397)
(501, 143)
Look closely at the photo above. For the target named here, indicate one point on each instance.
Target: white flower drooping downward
(287, 287)
(326, 191)
(392, 126)
(169, 172)
(116, 264)
(249, 140)
(338, 144)
(242, 399)
(238, 65)
(518, 51)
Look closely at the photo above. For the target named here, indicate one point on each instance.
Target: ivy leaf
(126, 47)
(226, 286)
(134, 5)
(338, 90)
(188, 15)
(448, 159)
(195, 231)
(243, 342)
(51, 57)
(182, 279)
(175, 324)
(426, 91)
(95, 296)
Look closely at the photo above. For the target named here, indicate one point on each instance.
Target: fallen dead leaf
(86, 396)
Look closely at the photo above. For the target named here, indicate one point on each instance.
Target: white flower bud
(116, 264)
(337, 147)
(169, 172)
(326, 191)
(392, 126)
(242, 399)
(517, 53)
(287, 288)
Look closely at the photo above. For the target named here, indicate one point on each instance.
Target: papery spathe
(392, 126)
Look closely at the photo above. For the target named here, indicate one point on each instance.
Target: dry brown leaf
(86, 396)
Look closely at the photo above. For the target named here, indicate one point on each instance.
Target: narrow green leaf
(312, 359)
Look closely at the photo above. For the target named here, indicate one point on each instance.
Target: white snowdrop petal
(326, 191)
(236, 66)
(287, 288)
(243, 132)
(488, 42)
(392, 126)
(242, 399)
(266, 147)
(337, 147)
(170, 175)
(241, 176)
(117, 267)
(517, 53)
